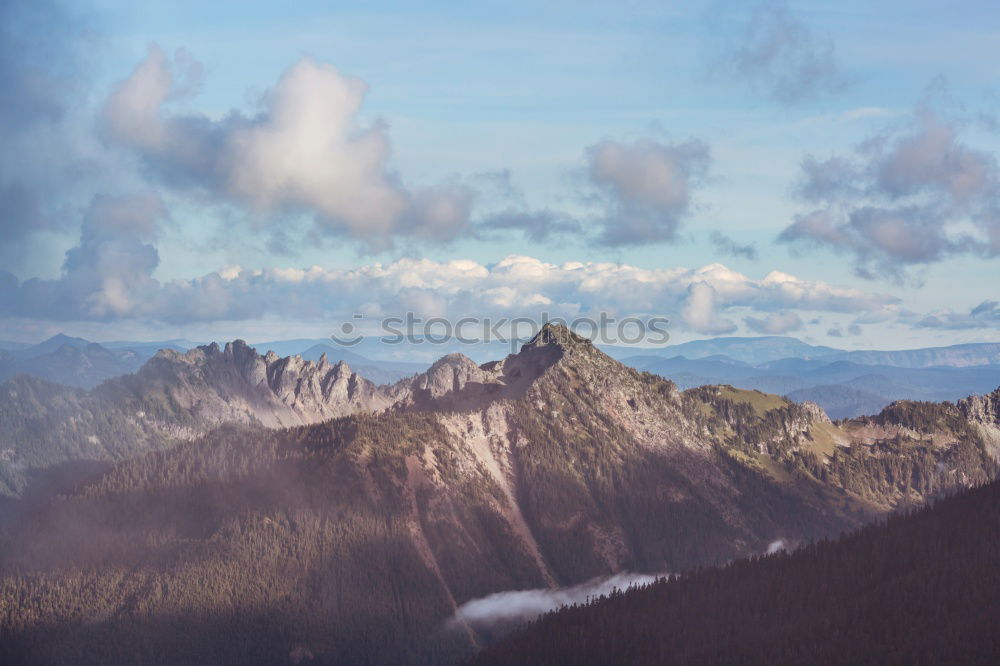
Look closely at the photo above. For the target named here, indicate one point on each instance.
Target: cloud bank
(109, 277)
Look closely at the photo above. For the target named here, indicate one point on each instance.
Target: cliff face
(983, 412)
(236, 384)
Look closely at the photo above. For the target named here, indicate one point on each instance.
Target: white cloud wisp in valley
(520, 605)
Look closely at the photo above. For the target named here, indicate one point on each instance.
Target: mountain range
(277, 509)
(83, 364)
(843, 388)
(768, 348)
(845, 383)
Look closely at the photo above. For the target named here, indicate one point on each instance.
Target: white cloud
(108, 274)
(515, 286)
(521, 605)
(303, 152)
(699, 311)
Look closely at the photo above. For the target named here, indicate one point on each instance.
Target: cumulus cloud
(108, 275)
(777, 54)
(522, 605)
(699, 311)
(726, 245)
(904, 198)
(515, 286)
(305, 151)
(645, 187)
(775, 323)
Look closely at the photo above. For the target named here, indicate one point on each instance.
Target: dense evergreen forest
(919, 588)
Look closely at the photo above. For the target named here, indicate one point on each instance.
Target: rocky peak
(449, 374)
(815, 412)
(559, 336)
(555, 345)
(982, 408)
(456, 382)
(237, 383)
(983, 414)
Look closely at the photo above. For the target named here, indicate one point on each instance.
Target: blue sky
(628, 134)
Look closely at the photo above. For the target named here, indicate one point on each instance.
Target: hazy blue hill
(292, 347)
(969, 354)
(71, 365)
(51, 345)
(749, 350)
(840, 401)
(793, 365)
(380, 372)
(844, 388)
(708, 367)
(149, 349)
(78, 362)
(766, 350)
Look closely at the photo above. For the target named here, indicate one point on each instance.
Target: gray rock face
(982, 408)
(983, 412)
(238, 384)
(455, 382)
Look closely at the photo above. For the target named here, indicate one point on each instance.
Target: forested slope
(918, 588)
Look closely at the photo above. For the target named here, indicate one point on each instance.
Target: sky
(248, 169)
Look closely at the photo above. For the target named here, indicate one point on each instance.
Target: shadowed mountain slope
(913, 590)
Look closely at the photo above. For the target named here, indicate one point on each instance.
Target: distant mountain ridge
(751, 350)
(70, 361)
(845, 383)
(956, 356)
(83, 364)
(756, 351)
(76, 362)
(843, 388)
